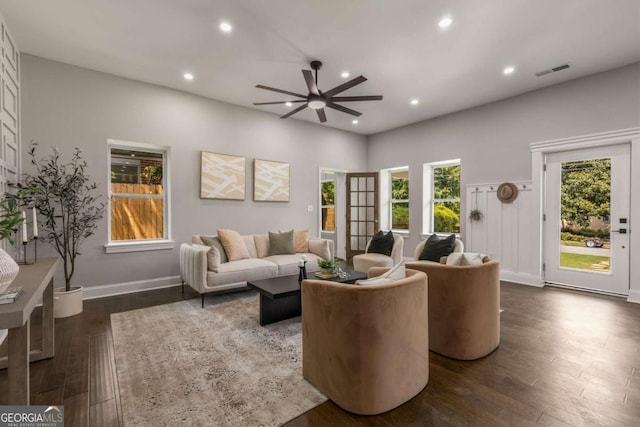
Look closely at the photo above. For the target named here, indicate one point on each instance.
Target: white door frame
(339, 235)
(631, 136)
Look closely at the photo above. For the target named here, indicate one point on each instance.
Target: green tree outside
(585, 191)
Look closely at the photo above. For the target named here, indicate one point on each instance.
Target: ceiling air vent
(552, 70)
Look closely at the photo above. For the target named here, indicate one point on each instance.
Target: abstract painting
(222, 176)
(270, 181)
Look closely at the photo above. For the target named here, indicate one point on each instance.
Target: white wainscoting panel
(507, 231)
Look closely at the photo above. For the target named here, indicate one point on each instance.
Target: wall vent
(552, 70)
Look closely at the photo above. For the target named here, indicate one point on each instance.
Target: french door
(586, 228)
(362, 210)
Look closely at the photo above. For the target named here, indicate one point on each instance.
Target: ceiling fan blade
(344, 109)
(321, 115)
(356, 98)
(278, 102)
(281, 91)
(344, 86)
(291, 113)
(311, 83)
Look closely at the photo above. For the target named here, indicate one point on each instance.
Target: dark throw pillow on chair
(435, 248)
(381, 243)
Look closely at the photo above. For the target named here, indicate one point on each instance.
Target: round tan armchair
(365, 261)
(464, 308)
(366, 347)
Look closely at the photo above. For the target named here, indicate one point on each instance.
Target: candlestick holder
(303, 272)
(22, 257)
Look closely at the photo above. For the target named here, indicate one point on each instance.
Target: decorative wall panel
(222, 176)
(270, 181)
(506, 231)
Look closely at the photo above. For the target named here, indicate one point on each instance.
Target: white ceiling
(396, 44)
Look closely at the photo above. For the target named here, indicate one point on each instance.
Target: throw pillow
(381, 243)
(397, 272)
(375, 281)
(301, 241)
(281, 243)
(320, 247)
(233, 244)
(435, 248)
(466, 258)
(214, 242)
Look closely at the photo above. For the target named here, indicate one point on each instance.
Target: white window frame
(393, 201)
(386, 202)
(335, 182)
(427, 197)
(118, 246)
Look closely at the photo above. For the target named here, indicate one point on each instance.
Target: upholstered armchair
(365, 261)
(464, 308)
(366, 347)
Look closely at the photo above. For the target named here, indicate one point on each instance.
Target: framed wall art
(222, 176)
(270, 181)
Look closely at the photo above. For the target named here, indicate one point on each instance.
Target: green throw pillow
(215, 242)
(281, 243)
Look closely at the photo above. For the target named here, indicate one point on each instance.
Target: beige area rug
(179, 364)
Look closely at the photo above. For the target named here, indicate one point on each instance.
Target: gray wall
(68, 106)
(493, 140)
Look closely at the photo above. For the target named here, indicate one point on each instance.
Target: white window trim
(385, 200)
(150, 244)
(322, 181)
(427, 195)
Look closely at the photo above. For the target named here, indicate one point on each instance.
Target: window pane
(370, 198)
(362, 199)
(328, 219)
(363, 184)
(135, 172)
(400, 185)
(354, 213)
(400, 216)
(136, 218)
(446, 217)
(446, 182)
(328, 193)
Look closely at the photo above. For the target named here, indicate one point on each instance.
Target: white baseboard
(634, 296)
(521, 278)
(92, 292)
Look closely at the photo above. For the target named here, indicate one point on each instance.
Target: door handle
(621, 231)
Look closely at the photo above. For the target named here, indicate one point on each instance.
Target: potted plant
(328, 266)
(67, 201)
(475, 215)
(10, 217)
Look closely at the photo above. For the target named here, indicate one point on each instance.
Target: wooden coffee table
(280, 296)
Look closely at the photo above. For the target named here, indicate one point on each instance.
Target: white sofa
(201, 266)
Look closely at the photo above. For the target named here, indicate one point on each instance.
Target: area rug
(181, 364)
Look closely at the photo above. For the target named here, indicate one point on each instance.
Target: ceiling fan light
(317, 103)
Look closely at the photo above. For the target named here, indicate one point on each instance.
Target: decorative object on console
(10, 295)
(270, 181)
(65, 197)
(328, 267)
(222, 176)
(507, 192)
(435, 248)
(475, 214)
(10, 217)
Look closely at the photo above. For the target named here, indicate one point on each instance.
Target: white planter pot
(69, 303)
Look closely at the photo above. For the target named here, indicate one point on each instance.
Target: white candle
(301, 263)
(303, 257)
(35, 223)
(24, 227)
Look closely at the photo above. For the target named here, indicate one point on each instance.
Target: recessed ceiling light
(288, 104)
(345, 74)
(445, 22)
(354, 121)
(508, 70)
(188, 76)
(225, 27)
(414, 102)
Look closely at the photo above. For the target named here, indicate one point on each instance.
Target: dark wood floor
(565, 358)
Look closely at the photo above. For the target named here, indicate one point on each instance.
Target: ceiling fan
(317, 100)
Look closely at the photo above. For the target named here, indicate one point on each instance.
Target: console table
(36, 281)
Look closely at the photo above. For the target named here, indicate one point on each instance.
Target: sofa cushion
(242, 271)
(320, 247)
(233, 244)
(435, 247)
(396, 273)
(251, 245)
(281, 243)
(262, 245)
(381, 243)
(301, 241)
(214, 242)
(288, 264)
